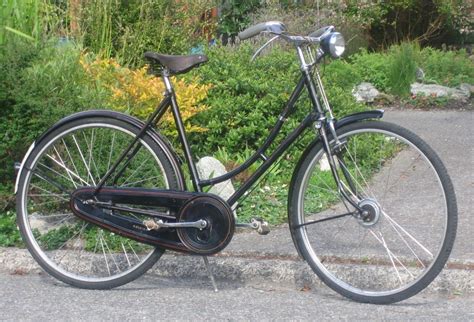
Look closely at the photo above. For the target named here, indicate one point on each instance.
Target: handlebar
(279, 29)
(275, 27)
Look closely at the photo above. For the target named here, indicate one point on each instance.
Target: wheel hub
(371, 212)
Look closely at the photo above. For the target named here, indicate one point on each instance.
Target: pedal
(260, 225)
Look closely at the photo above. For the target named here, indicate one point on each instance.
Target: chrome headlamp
(334, 44)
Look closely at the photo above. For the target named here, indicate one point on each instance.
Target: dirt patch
(428, 104)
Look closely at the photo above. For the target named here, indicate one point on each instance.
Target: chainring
(219, 229)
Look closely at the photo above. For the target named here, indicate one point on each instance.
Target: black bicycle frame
(170, 101)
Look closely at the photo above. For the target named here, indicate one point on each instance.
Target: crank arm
(152, 224)
(257, 224)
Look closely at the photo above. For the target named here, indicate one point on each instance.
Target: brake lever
(263, 47)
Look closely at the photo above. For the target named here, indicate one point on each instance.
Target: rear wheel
(403, 239)
(78, 154)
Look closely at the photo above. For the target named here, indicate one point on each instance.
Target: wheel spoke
(62, 162)
(68, 170)
(103, 252)
(83, 160)
(391, 174)
(407, 233)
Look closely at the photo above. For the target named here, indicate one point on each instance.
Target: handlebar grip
(276, 27)
(321, 31)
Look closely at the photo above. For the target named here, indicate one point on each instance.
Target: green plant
(373, 68)
(402, 71)
(9, 234)
(449, 68)
(246, 98)
(20, 18)
(126, 29)
(234, 16)
(38, 86)
(425, 21)
(32, 20)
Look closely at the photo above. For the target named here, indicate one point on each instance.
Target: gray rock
(365, 92)
(439, 91)
(467, 88)
(209, 167)
(420, 74)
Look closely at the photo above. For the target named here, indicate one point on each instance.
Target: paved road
(37, 297)
(451, 135)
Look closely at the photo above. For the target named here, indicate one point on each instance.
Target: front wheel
(78, 154)
(403, 239)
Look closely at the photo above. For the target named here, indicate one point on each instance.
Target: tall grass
(32, 19)
(402, 71)
(97, 24)
(20, 18)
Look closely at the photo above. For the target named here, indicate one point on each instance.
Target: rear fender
(160, 140)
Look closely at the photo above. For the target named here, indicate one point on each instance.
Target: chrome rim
(78, 157)
(397, 249)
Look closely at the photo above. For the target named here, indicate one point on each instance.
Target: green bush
(234, 16)
(449, 68)
(373, 68)
(9, 234)
(126, 29)
(394, 70)
(38, 87)
(247, 98)
(426, 21)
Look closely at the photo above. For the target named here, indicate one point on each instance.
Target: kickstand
(209, 272)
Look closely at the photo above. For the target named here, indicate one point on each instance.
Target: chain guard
(220, 224)
(187, 206)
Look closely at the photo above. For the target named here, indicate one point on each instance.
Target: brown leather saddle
(173, 63)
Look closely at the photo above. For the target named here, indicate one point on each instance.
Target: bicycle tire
(392, 260)
(71, 154)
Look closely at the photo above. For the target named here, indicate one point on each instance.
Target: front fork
(323, 125)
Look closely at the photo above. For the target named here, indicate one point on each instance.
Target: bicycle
(101, 195)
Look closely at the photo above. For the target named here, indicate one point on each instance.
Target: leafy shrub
(449, 68)
(389, 22)
(39, 86)
(395, 69)
(373, 68)
(9, 234)
(137, 93)
(246, 98)
(234, 16)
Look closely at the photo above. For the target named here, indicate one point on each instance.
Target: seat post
(166, 79)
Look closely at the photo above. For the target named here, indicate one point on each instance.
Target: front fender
(357, 117)
(346, 120)
(169, 152)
